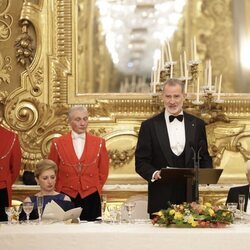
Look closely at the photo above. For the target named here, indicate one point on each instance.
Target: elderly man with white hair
(83, 164)
(234, 192)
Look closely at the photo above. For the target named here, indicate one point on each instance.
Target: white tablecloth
(93, 236)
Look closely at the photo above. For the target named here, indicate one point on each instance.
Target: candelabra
(209, 107)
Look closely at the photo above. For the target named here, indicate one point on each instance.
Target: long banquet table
(101, 236)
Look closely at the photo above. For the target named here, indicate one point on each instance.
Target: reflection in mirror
(126, 38)
(119, 41)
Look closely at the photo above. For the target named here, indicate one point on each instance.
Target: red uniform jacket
(84, 176)
(10, 159)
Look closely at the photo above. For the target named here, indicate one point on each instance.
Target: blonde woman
(45, 176)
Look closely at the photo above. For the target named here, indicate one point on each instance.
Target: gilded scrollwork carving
(21, 115)
(5, 68)
(99, 131)
(100, 109)
(25, 51)
(238, 145)
(221, 137)
(6, 21)
(38, 124)
(120, 158)
(24, 47)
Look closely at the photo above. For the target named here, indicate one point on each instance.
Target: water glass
(9, 211)
(17, 209)
(27, 208)
(112, 212)
(104, 200)
(39, 200)
(130, 206)
(232, 206)
(241, 205)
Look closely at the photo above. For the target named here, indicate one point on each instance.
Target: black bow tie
(179, 117)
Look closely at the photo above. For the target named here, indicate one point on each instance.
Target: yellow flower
(190, 220)
(194, 223)
(224, 214)
(207, 204)
(178, 216)
(211, 211)
(160, 213)
(172, 212)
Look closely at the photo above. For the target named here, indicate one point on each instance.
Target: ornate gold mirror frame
(37, 108)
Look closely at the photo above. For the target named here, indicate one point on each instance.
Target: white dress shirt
(78, 143)
(248, 204)
(176, 134)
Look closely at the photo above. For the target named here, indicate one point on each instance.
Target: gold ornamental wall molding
(39, 80)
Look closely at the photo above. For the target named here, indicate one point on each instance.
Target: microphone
(196, 159)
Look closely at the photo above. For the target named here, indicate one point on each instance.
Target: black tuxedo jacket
(233, 194)
(153, 152)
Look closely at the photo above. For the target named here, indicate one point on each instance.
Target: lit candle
(192, 50)
(215, 84)
(186, 84)
(169, 52)
(194, 53)
(205, 74)
(219, 87)
(162, 57)
(154, 87)
(158, 71)
(198, 90)
(154, 79)
(185, 64)
(166, 52)
(155, 75)
(209, 75)
(181, 66)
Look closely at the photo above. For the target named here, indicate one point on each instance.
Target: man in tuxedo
(169, 140)
(234, 192)
(83, 164)
(10, 163)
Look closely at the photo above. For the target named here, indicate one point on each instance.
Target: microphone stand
(196, 159)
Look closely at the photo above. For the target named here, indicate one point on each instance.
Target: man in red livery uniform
(10, 163)
(83, 164)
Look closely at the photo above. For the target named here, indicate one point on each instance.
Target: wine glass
(27, 208)
(130, 208)
(39, 200)
(119, 213)
(104, 206)
(241, 201)
(17, 209)
(112, 212)
(9, 212)
(232, 206)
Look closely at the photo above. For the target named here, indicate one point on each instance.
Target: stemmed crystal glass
(17, 209)
(104, 206)
(27, 208)
(232, 206)
(241, 205)
(130, 208)
(112, 212)
(39, 200)
(9, 211)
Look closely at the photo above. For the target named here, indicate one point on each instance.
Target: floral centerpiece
(194, 215)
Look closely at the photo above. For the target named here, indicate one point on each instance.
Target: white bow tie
(81, 136)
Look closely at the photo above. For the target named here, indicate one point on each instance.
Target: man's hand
(157, 175)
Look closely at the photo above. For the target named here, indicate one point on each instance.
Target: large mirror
(119, 40)
(118, 53)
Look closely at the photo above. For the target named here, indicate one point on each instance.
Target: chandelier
(134, 30)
